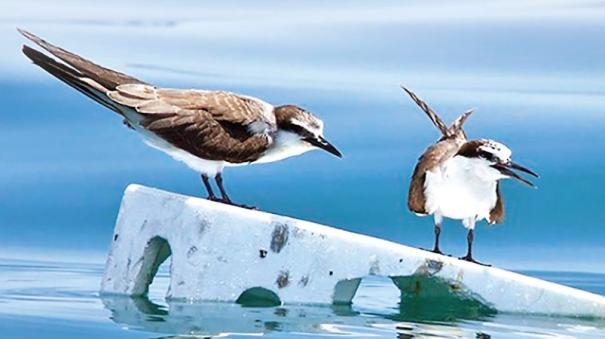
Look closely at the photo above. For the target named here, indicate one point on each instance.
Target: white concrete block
(220, 251)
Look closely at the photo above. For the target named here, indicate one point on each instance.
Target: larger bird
(207, 130)
(459, 178)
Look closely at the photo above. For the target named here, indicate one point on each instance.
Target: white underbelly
(458, 196)
(208, 167)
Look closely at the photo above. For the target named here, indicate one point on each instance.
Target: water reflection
(412, 320)
(68, 293)
(212, 318)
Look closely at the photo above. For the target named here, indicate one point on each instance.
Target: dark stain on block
(262, 253)
(181, 283)
(279, 237)
(203, 225)
(374, 267)
(331, 273)
(191, 251)
(298, 233)
(434, 266)
(283, 279)
(115, 237)
(429, 267)
(143, 224)
(303, 281)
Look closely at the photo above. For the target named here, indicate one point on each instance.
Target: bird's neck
(473, 169)
(285, 144)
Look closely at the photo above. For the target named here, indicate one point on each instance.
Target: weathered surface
(220, 251)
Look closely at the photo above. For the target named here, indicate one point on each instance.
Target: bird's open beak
(506, 169)
(324, 144)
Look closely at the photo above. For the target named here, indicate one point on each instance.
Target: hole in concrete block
(258, 297)
(155, 254)
(345, 290)
(160, 285)
(377, 292)
(374, 292)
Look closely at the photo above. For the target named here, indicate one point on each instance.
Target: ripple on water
(39, 292)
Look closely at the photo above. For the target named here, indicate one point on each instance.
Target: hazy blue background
(534, 71)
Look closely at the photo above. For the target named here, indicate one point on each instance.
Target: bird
(459, 179)
(207, 130)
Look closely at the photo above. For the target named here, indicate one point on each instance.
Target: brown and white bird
(459, 179)
(207, 130)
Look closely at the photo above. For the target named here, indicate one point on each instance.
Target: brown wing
(496, 215)
(210, 125)
(434, 156)
(104, 76)
(429, 112)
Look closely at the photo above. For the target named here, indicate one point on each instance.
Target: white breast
(462, 188)
(285, 145)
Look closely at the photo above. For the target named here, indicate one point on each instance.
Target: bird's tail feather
(106, 77)
(72, 77)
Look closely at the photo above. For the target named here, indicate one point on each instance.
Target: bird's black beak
(505, 169)
(324, 144)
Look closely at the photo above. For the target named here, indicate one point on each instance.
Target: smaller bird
(207, 130)
(459, 179)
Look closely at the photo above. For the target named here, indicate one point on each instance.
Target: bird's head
(304, 126)
(496, 158)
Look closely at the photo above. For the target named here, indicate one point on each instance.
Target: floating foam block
(225, 253)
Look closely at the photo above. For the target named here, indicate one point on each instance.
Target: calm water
(60, 300)
(534, 71)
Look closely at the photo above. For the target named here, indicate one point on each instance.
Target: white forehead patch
(497, 149)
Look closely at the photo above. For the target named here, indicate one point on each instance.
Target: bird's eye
(487, 156)
(298, 130)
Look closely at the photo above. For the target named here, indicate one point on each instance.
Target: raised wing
(429, 112)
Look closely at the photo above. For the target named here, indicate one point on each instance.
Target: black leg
(436, 248)
(470, 237)
(219, 183)
(225, 198)
(437, 234)
(469, 253)
(206, 182)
